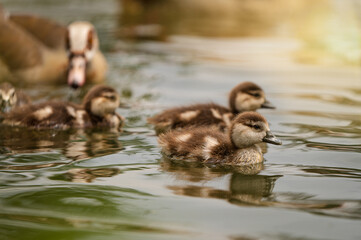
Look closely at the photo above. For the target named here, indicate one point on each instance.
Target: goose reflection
(73, 144)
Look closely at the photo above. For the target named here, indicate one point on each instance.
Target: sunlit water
(101, 185)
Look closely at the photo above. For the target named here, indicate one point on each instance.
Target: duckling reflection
(97, 144)
(245, 187)
(251, 189)
(86, 175)
(74, 144)
(195, 171)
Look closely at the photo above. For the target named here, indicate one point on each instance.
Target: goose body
(246, 96)
(97, 110)
(209, 145)
(35, 50)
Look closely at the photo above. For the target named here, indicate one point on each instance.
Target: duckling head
(250, 128)
(81, 43)
(248, 96)
(8, 97)
(101, 100)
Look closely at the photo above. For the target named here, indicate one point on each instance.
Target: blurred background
(325, 32)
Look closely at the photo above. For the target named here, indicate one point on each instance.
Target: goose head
(101, 101)
(248, 96)
(81, 44)
(8, 97)
(250, 128)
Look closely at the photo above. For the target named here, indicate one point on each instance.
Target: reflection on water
(81, 175)
(257, 190)
(20, 145)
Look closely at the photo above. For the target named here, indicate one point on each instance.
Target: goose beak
(270, 138)
(267, 104)
(76, 72)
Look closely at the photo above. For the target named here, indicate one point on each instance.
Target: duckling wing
(43, 115)
(48, 32)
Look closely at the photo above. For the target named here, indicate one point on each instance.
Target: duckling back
(209, 114)
(208, 145)
(48, 115)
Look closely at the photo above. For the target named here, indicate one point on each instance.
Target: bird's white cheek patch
(97, 106)
(43, 113)
(189, 115)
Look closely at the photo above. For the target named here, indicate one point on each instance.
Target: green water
(99, 185)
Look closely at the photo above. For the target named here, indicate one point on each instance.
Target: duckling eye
(111, 98)
(257, 127)
(256, 95)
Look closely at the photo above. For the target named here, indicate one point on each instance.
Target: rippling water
(89, 184)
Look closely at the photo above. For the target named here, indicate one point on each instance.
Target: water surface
(93, 184)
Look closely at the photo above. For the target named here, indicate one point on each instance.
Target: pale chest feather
(245, 156)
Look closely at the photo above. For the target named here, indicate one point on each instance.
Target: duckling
(10, 97)
(97, 110)
(39, 50)
(246, 96)
(209, 145)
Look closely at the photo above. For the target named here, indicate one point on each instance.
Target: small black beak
(270, 138)
(267, 104)
(5, 106)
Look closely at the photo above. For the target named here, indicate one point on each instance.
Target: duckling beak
(267, 104)
(5, 106)
(270, 138)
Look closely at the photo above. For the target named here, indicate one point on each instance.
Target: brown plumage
(194, 115)
(11, 97)
(33, 50)
(246, 96)
(97, 110)
(208, 144)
